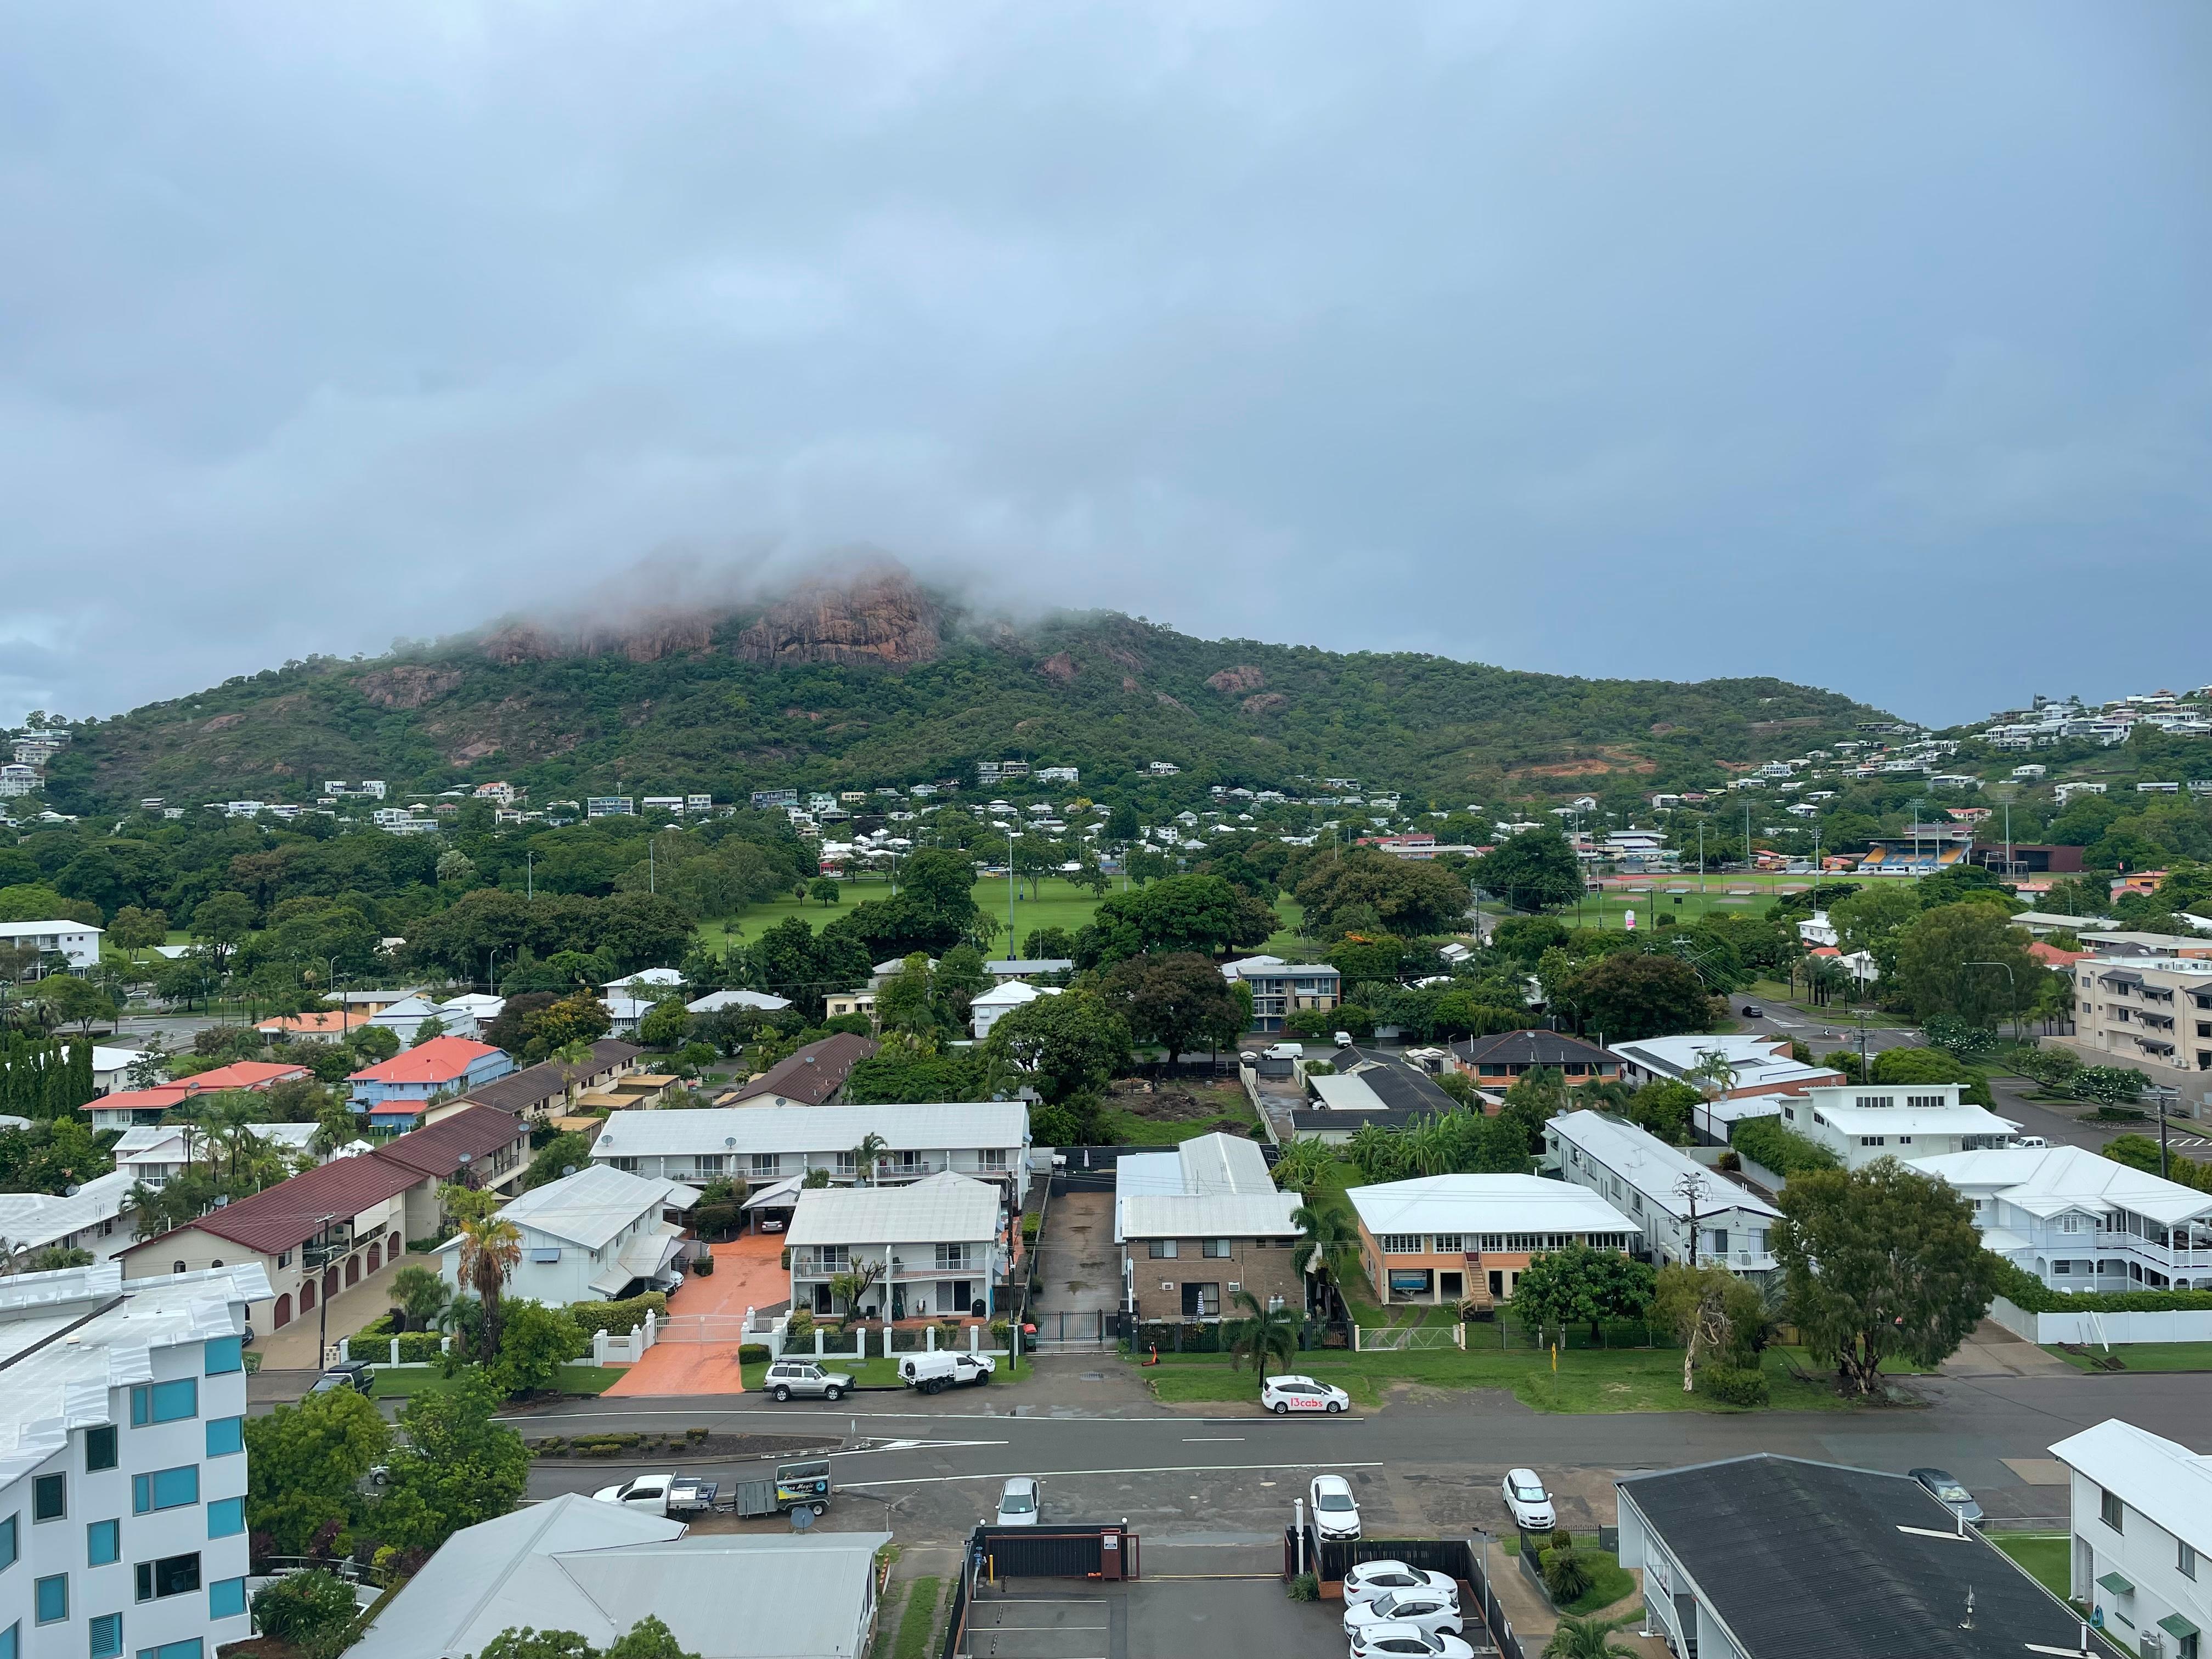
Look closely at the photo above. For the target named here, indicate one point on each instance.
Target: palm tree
(1588, 1637)
(1303, 1166)
(571, 1056)
(490, 1248)
(419, 1295)
(849, 1289)
(1262, 1336)
(1713, 1076)
(868, 1155)
(1330, 1250)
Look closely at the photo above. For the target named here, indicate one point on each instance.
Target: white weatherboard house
(2080, 1221)
(77, 941)
(1861, 1122)
(1660, 1187)
(97, 1217)
(123, 1461)
(937, 1242)
(1001, 999)
(989, 1138)
(590, 1236)
(2141, 1523)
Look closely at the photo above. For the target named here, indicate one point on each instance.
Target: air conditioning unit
(1235, 1286)
(1167, 1284)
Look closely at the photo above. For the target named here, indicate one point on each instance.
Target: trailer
(805, 1483)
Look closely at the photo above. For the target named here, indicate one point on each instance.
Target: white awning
(782, 1195)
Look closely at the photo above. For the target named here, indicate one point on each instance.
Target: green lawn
(2044, 1555)
(2147, 1356)
(1588, 1380)
(400, 1385)
(919, 1621)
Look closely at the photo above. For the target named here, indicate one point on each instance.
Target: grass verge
(2044, 1557)
(919, 1621)
(2146, 1357)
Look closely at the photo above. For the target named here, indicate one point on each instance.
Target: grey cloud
(1715, 338)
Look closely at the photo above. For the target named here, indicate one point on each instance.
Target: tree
(490, 1247)
(1203, 914)
(1710, 1311)
(1069, 1045)
(429, 1030)
(457, 1468)
(1536, 1096)
(534, 1342)
(220, 924)
(137, 929)
(1536, 870)
(1588, 1637)
(1627, 995)
(822, 890)
(66, 999)
(313, 1612)
(1178, 1000)
(1329, 1248)
(848, 1289)
(304, 1464)
(1662, 1108)
(868, 1156)
(1880, 1261)
(1262, 1336)
(903, 1004)
(565, 1151)
(1938, 964)
(1582, 1286)
(1406, 898)
(648, 1639)
(1304, 1165)
(665, 1023)
(419, 1295)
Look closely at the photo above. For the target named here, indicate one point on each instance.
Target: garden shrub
(1733, 1385)
(801, 1329)
(1566, 1575)
(618, 1318)
(704, 1267)
(2031, 1295)
(307, 1609)
(753, 1353)
(1770, 1141)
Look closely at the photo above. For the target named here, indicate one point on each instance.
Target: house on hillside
(1001, 999)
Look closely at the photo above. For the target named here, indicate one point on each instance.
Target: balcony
(2167, 1258)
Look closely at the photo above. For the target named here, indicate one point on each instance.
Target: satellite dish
(568, 1168)
(801, 1518)
(71, 1190)
(729, 1140)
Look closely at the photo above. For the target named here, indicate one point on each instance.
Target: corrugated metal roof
(2165, 1479)
(941, 1209)
(436, 1148)
(1224, 1215)
(1653, 1167)
(814, 1072)
(1485, 1204)
(824, 1129)
(31, 1220)
(592, 1206)
(2046, 1180)
(1212, 1186)
(535, 1086)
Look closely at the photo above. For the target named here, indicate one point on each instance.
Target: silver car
(1018, 1502)
(786, 1378)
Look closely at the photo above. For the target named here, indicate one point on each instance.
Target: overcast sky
(1866, 344)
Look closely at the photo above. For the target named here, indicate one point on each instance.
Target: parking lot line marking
(1160, 1468)
(1208, 1439)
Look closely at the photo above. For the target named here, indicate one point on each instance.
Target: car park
(1284, 1395)
(1369, 1579)
(1335, 1511)
(1948, 1492)
(1428, 1610)
(1406, 1641)
(1527, 1503)
(1019, 1500)
(805, 1378)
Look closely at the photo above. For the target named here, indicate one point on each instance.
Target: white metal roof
(1485, 1204)
(33, 1220)
(1959, 1119)
(2165, 1480)
(824, 1129)
(1212, 1185)
(592, 1206)
(1345, 1092)
(2046, 1181)
(716, 1002)
(945, 1208)
(1751, 1056)
(1653, 1167)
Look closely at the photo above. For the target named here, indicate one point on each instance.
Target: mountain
(875, 679)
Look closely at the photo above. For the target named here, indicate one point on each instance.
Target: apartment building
(1281, 988)
(1687, 1212)
(76, 942)
(1455, 1239)
(2079, 1221)
(986, 1138)
(938, 1246)
(2141, 1525)
(2152, 1013)
(123, 1486)
(1199, 1224)
(1861, 1122)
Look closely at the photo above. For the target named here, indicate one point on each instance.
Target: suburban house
(2080, 1221)
(647, 982)
(97, 1217)
(1281, 988)
(573, 1563)
(537, 1094)
(123, 1109)
(111, 1067)
(321, 1231)
(395, 1092)
(2140, 1517)
(1198, 1224)
(1494, 1062)
(717, 1002)
(989, 1138)
(334, 1025)
(1456, 1238)
(1031, 968)
(938, 1246)
(595, 1235)
(406, 1018)
(76, 942)
(125, 1444)
(813, 1076)
(1367, 1086)
(1774, 1557)
(1686, 1211)
(1762, 1067)
(838, 1005)
(1861, 1122)
(1001, 999)
(2153, 1013)
(156, 1153)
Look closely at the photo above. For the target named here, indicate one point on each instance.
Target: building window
(165, 1489)
(1400, 1243)
(227, 1598)
(2108, 1507)
(164, 1402)
(189, 1648)
(763, 1164)
(1215, 1248)
(50, 1498)
(226, 1436)
(951, 1258)
(107, 1637)
(172, 1575)
(100, 1448)
(2185, 1559)
(51, 1596)
(1161, 1249)
(226, 1517)
(1875, 1100)
(103, 1543)
(1451, 1244)
(848, 1163)
(1926, 1101)
(6, 1543)
(1873, 1140)
(223, 1355)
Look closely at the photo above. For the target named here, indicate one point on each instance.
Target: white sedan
(1406, 1641)
(1335, 1511)
(1284, 1395)
(1426, 1609)
(1372, 1578)
(1530, 1503)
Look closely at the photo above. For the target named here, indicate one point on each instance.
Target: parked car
(786, 1378)
(931, 1373)
(1410, 1641)
(646, 1493)
(1425, 1608)
(356, 1374)
(1948, 1490)
(2034, 1142)
(1284, 1395)
(770, 1221)
(1335, 1511)
(1019, 1500)
(1527, 1501)
(1369, 1579)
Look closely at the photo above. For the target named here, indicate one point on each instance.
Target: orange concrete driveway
(749, 1273)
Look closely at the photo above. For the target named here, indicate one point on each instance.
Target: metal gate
(702, 1328)
(1079, 1332)
(1058, 1551)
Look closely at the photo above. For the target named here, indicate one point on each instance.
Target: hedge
(618, 1318)
(2031, 1295)
(1769, 1141)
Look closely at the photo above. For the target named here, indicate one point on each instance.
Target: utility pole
(1012, 949)
(529, 874)
(1688, 1187)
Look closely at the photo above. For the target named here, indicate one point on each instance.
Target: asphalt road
(1429, 1461)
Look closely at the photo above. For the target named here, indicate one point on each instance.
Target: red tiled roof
(814, 1073)
(436, 1150)
(240, 1074)
(439, 1060)
(282, 1217)
(2051, 956)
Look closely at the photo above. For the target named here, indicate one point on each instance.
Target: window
(172, 1575)
(2074, 1222)
(994, 1157)
(1873, 1140)
(2108, 1507)
(165, 1489)
(283, 1258)
(6, 1543)
(1875, 1100)
(164, 1402)
(107, 1636)
(1161, 1249)
(951, 1258)
(1215, 1248)
(103, 1543)
(100, 1448)
(1905, 1140)
(1400, 1243)
(226, 1517)
(1451, 1244)
(763, 1164)
(1926, 1101)
(227, 1598)
(51, 1596)
(226, 1436)
(50, 1498)
(191, 1648)
(11, 1642)
(2185, 1559)
(223, 1355)
(848, 1164)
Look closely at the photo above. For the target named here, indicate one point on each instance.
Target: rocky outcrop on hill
(879, 618)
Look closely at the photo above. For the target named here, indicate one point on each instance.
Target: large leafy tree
(1406, 898)
(1625, 995)
(1878, 1261)
(1582, 1286)
(1178, 999)
(1939, 968)
(457, 1466)
(1534, 870)
(1201, 914)
(1067, 1046)
(305, 1464)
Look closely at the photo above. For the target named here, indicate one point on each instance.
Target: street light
(2010, 980)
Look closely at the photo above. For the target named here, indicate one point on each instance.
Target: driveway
(1080, 1269)
(748, 1272)
(294, 1347)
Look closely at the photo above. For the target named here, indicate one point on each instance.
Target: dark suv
(356, 1374)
